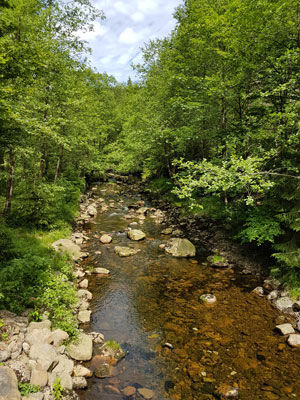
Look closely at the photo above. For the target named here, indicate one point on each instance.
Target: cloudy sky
(117, 40)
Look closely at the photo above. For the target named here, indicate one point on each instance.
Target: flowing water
(151, 299)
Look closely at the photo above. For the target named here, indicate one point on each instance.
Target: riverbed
(177, 346)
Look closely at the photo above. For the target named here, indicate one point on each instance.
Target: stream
(177, 346)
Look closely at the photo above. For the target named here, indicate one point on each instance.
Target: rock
(273, 295)
(103, 370)
(167, 231)
(26, 348)
(142, 210)
(84, 284)
(46, 324)
(146, 393)
(21, 367)
(79, 273)
(39, 377)
(162, 246)
(112, 389)
(285, 329)
(169, 346)
(112, 350)
(125, 251)
(208, 298)
(67, 246)
(84, 316)
(133, 224)
(102, 271)
(8, 384)
(136, 234)
(296, 306)
(258, 290)
(228, 392)
(294, 340)
(129, 391)
(44, 354)
(105, 239)
(34, 396)
(83, 305)
(63, 371)
(58, 337)
(4, 355)
(82, 348)
(84, 294)
(79, 382)
(180, 248)
(91, 210)
(271, 283)
(38, 336)
(284, 304)
(81, 371)
(98, 338)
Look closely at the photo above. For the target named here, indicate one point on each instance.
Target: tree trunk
(10, 182)
(2, 153)
(58, 164)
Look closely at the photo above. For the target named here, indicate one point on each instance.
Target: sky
(116, 42)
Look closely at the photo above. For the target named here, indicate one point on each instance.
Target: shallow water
(152, 298)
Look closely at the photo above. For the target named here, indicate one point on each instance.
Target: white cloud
(138, 16)
(106, 60)
(128, 36)
(124, 58)
(147, 6)
(122, 7)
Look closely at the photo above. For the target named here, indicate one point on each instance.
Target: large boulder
(125, 251)
(136, 234)
(180, 248)
(8, 385)
(44, 354)
(82, 348)
(67, 246)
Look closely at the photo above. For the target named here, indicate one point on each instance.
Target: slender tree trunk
(42, 161)
(58, 164)
(10, 182)
(2, 153)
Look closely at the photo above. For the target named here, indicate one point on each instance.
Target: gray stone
(8, 384)
(44, 354)
(180, 248)
(123, 251)
(84, 294)
(39, 377)
(273, 295)
(105, 239)
(136, 234)
(63, 371)
(79, 382)
(21, 368)
(81, 371)
(38, 336)
(294, 340)
(259, 291)
(146, 393)
(83, 305)
(46, 324)
(4, 355)
(284, 304)
(84, 284)
(92, 210)
(58, 337)
(102, 271)
(82, 348)
(26, 348)
(285, 329)
(208, 298)
(98, 338)
(34, 396)
(67, 246)
(84, 316)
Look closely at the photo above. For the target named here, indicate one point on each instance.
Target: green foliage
(57, 390)
(26, 389)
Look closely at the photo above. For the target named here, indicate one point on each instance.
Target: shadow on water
(151, 299)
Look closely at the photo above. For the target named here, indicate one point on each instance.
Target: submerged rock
(129, 391)
(208, 298)
(147, 394)
(136, 234)
(180, 248)
(125, 251)
(167, 231)
(102, 271)
(217, 261)
(105, 239)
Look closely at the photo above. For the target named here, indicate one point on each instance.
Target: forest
(212, 124)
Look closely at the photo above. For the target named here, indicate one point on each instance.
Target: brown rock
(112, 389)
(146, 393)
(129, 391)
(105, 239)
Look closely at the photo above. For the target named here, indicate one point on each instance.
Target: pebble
(105, 239)
(169, 346)
(146, 393)
(258, 290)
(294, 340)
(84, 284)
(102, 271)
(208, 298)
(112, 389)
